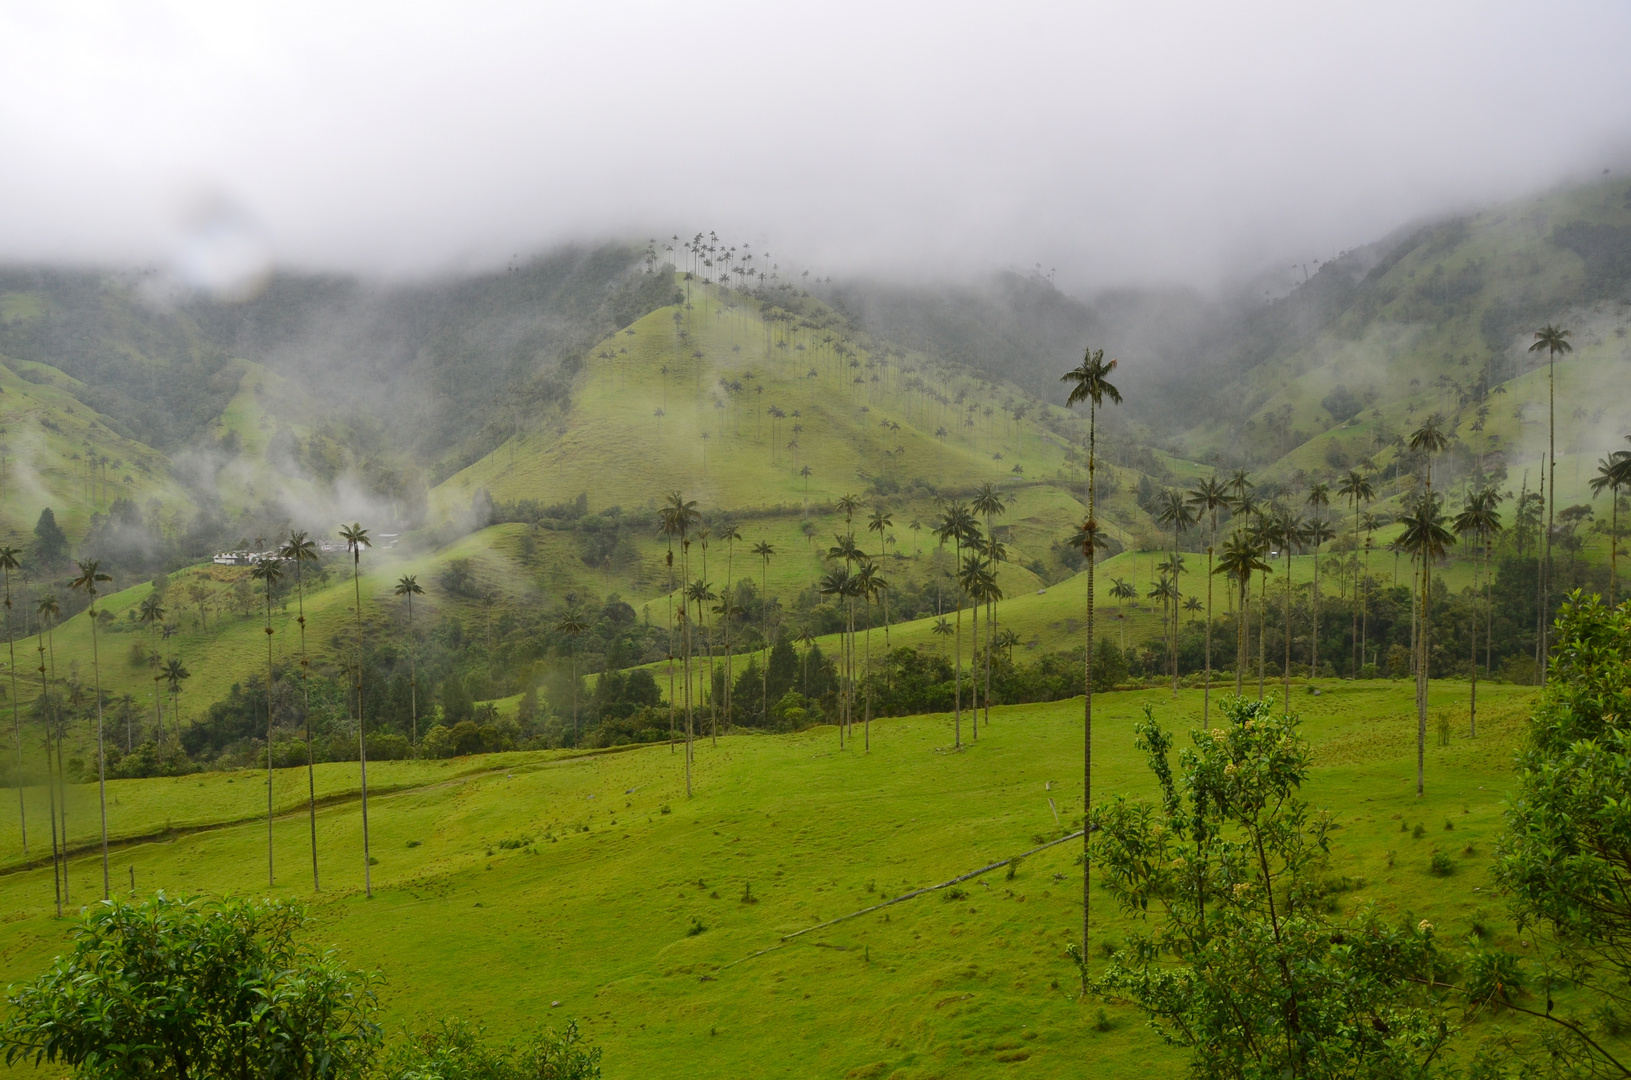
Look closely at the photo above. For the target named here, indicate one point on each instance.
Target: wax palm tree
(1553, 340)
(836, 583)
(1480, 519)
(1239, 484)
(1206, 499)
(1426, 540)
(1090, 382)
(1123, 590)
(356, 538)
(729, 533)
(869, 586)
(150, 613)
(1174, 512)
(880, 522)
(765, 551)
(700, 593)
(847, 505)
(1425, 441)
(990, 504)
(971, 579)
(1241, 557)
(268, 572)
(1371, 523)
(1317, 533)
(90, 576)
(678, 517)
(299, 549)
(572, 627)
(1613, 473)
(47, 612)
(408, 587)
(174, 674)
(990, 592)
(9, 564)
(1356, 488)
(954, 525)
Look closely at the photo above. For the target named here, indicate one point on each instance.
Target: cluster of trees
(1242, 953)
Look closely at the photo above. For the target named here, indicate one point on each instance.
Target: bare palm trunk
(1314, 645)
(101, 757)
(1262, 646)
(271, 877)
(1551, 502)
(305, 710)
(1285, 673)
(974, 671)
(1421, 671)
(16, 719)
(1087, 686)
(362, 729)
(1472, 707)
(1206, 691)
(866, 688)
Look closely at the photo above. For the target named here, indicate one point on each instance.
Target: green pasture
(593, 914)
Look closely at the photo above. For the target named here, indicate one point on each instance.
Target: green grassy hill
(58, 452)
(594, 914)
(1435, 321)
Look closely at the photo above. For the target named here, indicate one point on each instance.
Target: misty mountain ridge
(394, 387)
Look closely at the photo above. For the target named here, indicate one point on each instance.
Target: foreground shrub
(189, 988)
(1236, 955)
(455, 1051)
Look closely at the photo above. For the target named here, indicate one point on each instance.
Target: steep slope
(1436, 324)
(57, 452)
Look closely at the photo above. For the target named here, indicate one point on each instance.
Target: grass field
(594, 916)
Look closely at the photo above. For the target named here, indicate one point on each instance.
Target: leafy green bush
(1240, 961)
(191, 988)
(454, 1051)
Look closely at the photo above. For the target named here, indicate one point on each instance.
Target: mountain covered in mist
(375, 393)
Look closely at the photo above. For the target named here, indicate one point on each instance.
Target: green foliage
(454, 1051)
(189, 988)
(50, 544)
(1562, 859)
(1243, 965)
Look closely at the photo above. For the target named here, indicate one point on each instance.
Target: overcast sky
(1135, 142)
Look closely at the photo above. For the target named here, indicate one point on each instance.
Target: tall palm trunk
(685, 650)
(1364, 606)
(1421, 668)
(974, 671)
(1087, 681)
(271, 877)
(62, 775)
(1241, 634)
(1358, 650)
(1314, 617)
(58, 851)
(305, 710)
(1551, 501)
(1472, 704)
(1262, 647)
(413, 677)
(362, 727)
(1206, 691)
(1285, 672)
(866, 685)
(16, 718)
(957, 668)
(101, 756)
